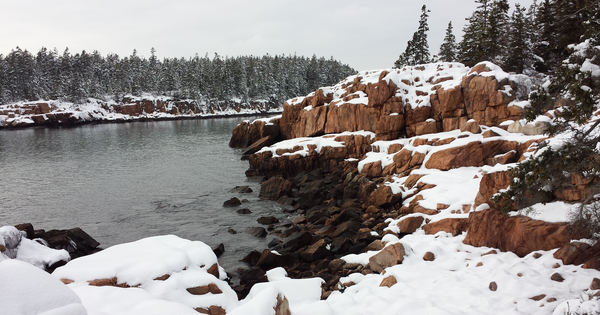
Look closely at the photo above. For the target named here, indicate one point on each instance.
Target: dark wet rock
(275, 187)
(340, 245)
(267, 220)
(269, 260)
(28, 228)
(347, 214)
(557, 277)
(75, 241)
(252, 258)
(244, 211)
(315, 251)
(219, 250)
(254, 274)
(296, 241)
(315, 214)
(257, 231)
(241, 190)
(231, 231)
(287, 201)
(233, 202)
(346, 227)
(273, 243)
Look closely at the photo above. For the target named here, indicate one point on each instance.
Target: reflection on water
(122, 182)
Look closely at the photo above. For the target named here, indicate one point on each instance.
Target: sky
(366, 35)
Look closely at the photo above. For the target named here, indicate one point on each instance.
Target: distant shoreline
(133, 119)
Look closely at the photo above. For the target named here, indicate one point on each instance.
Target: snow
(557, 211)
(27, 290)
(299, 292)
(454, 283)
(39, 255)
(139, 264)
(131, 301)
(588, 66)
(302, 144)
(98, 110)
(416, 84)
(141, 261)
(30, 251)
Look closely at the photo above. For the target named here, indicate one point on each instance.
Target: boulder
(570, 252)
(201, 290)
(429, 256)
(233, 202)
(391, 255)
(410, 224)
(453, 226)
(259, 144)
(258, 232)
(539, 128)
(296, 241)
(471, 126)
(267, 220)
(275, 187)
(388, 282)
(315, 251)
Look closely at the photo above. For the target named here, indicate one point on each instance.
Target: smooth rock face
(518, 234)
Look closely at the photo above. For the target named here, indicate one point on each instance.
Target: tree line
(73, 77)
(536, 38)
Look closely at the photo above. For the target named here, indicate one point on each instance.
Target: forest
(73, 77)
(524, 39)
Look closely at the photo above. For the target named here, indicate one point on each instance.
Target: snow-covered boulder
(27, 290)
(14, 245)
(166, 268)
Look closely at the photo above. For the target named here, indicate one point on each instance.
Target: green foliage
(578, 94)
(48, 75)
(449, 48)
(519, 54)
(417, 49)
(484, 36)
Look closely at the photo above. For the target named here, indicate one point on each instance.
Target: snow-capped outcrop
(130, 108)
(402, 102)
(419, 150)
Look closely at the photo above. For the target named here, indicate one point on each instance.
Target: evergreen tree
(417, 49)
(519, 50)
(472, 46)
(47, 75)
(484, 35)
(553, 167)
(496, 40)
(545, 47)
(448, 49)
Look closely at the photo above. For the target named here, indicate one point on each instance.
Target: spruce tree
(449, 48)
(519, 51)
(417, 49)
(485, 33)
(576, 89)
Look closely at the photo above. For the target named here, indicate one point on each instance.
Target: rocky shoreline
(351, 172)
(93, 111)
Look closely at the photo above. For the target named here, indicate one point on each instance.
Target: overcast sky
(363, 34)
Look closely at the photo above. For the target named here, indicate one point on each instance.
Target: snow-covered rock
(27, 290)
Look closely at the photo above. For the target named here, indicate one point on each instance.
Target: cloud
(366, 35)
